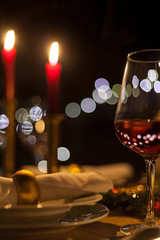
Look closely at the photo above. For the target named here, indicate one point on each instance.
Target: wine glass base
(132, 228)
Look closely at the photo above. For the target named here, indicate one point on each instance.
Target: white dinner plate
(17, 216)
(75, 217)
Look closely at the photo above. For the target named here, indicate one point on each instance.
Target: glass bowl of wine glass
(137, 119)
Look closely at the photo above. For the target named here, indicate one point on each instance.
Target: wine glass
(137, 119)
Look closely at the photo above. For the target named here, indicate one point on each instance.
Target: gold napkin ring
(28, 190)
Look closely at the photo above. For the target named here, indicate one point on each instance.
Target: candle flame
(9, 40)
(53, 55)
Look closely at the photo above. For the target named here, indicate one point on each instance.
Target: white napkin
(119, 173)
(58, 185)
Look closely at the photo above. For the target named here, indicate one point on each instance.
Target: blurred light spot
(139, 136)
(40, 126)
(134, 195)
(27, 127)
(128, 90)
(152, 75)
(116, 89)
(74, 168)
(113, 100)
(4, 121)
(72, 110)
(35, 113)
(101, 84)
(42, 166)
(135, 92)
(96, 97)
(63, 154)
(135, 81)
(157, 86)
(145, 85)
(108, 94)
(103, 95)
(31, 139)
(88, 105)
(36, 100)
(21, 115)
(44, 113)
(159, 64)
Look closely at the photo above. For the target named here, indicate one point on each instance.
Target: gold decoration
(28, 190)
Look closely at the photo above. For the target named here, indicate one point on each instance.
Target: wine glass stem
(150, 174)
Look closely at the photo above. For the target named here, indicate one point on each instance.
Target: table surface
(105, 229)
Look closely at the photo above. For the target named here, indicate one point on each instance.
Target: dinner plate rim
(60, 226)
(50, 204)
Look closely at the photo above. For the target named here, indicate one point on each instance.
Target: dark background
(95, 38)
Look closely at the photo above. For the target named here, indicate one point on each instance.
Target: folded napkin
(119, 173)
(59, 185)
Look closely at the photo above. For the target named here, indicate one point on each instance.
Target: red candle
(53, 70)
(9, 55)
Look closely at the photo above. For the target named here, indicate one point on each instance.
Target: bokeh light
(145, 85)
(109, 94)
(4, 121)
(96, 97)
(103, 95)
(63, 154)
(152, 75)
(42, 166)
(36, 113)
(21, 115)
(112, 100)
(36, 100)
(27, 127)
(31, 139)
(116, 89)
(74, 168)
(40, 126)
(135, 92)
(72, 110)
(157, 86)
(128, 90)
(101, 84)
(135, 81)
(88, 105)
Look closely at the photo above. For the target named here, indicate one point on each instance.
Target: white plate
(77, 216)
(13, 216)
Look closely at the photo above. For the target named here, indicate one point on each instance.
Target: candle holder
(53, 129)
(8, 165)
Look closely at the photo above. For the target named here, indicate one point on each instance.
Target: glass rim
(134, 53)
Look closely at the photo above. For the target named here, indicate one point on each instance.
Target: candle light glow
(9, 40)
(9, 55)
(53, 70)
(53, 55)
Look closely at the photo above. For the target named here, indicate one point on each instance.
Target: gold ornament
(28, 190)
